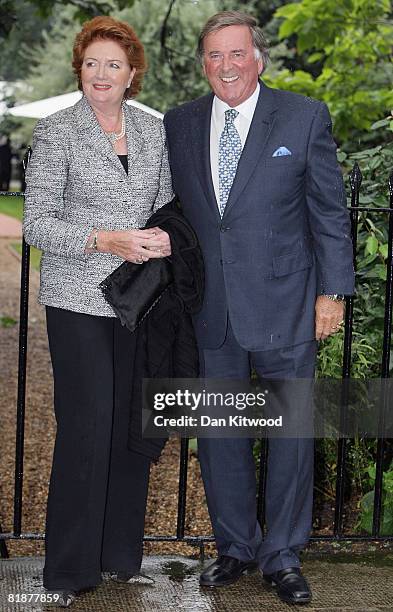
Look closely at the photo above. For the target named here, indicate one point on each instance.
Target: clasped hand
(139, 246)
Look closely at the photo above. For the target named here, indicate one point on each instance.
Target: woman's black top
(124, 161)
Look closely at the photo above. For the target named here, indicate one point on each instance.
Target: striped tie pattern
(230, 149)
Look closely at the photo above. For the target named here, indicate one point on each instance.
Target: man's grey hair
(230, 18)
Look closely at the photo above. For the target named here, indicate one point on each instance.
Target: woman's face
(106, 73)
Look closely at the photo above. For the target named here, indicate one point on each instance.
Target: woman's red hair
(107, 28)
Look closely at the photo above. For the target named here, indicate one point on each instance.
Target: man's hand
(164, 241)
(329, 315)
(135, 245)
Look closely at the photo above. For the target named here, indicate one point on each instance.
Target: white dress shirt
(242, 122)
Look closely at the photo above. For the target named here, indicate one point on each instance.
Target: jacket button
(224, 229)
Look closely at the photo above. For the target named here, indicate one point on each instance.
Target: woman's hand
(137, 246)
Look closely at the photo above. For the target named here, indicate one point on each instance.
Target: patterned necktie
(229, 152)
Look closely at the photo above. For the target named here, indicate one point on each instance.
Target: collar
(91, 131)
(246, 108)
(87, 120)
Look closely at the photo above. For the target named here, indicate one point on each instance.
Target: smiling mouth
(101, 87)
(230, 79)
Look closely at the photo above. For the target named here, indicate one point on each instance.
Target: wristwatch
(93, 244)
(335, 297)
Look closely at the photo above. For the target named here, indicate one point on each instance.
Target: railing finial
(355, 177)
(26, 158)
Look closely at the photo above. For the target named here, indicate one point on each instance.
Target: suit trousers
(98, 488)
(228, 468)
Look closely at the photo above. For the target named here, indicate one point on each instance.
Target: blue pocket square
(281, 151)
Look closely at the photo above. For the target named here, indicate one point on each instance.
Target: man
(256, 172)
(5, 163)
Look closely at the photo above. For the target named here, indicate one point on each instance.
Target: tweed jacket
(74, 183)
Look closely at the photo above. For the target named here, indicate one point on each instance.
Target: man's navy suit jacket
(284, 237)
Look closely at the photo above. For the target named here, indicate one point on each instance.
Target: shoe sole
(246, 572)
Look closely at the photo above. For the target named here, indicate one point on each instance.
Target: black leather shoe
(131, 578)
(291, 586)
(226, 570)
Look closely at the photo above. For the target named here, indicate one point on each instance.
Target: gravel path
(40, 431)
(10, 227)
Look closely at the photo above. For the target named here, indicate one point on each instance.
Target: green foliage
(35, 254)
(367, 503)
(7, 17)
(84, 9)
(351, 41)
(170, 39)
(174, 76)
(23, 32)
(6, 321)
(12, 206)
(375, 164)
(364, 356)
(23, 23)
(51, 71)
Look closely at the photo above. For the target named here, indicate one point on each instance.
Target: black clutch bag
(133, 290)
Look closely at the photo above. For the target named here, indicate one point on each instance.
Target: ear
(260, 66)
(133, 71)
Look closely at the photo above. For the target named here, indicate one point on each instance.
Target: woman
(98, 171)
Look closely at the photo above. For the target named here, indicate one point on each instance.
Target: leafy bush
(346, 49)
(367, 503)
(375, 164)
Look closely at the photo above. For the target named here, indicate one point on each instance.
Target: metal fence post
(355, 180)
(21, 399)
(385, 367)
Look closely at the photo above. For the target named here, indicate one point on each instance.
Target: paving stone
(337, 586)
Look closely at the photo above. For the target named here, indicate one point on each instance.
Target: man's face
(230, 65)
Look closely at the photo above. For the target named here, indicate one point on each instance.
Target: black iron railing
(180, 536)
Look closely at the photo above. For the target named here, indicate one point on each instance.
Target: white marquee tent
(48, 106)
(5, 90)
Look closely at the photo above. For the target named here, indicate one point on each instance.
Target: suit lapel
(134, 138)
(257, 138)
(200, 138)
(92, 134)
